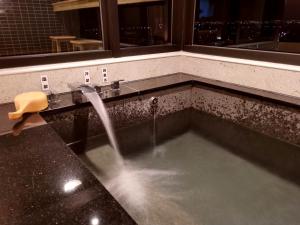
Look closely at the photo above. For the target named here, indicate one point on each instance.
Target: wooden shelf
(84, 4)
(74, 4)
(126, 2)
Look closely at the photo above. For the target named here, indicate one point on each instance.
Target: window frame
(182, 31)
(176, 36)
(111, 38)
(251, 54)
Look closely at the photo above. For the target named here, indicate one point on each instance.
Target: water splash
(143, 192)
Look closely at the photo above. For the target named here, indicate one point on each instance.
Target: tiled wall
(25, 26)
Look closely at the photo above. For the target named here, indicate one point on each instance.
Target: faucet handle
(52, 98)
(98, 88)
(74, 86)
(115, 85)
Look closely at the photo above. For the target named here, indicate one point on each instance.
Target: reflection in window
(145, 22)
(272, 25)
(48, 26)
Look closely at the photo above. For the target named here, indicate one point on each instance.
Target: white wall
(278, 78)
(15, 81)
(273, 77)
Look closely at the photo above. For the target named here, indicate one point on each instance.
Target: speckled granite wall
(272, 119)
(84, 122)
(276, 120)
(130, 111)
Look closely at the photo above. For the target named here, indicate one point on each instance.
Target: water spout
(87, 89)
(91, 94)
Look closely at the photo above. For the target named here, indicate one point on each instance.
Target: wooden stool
(86, 44)
(57, 40)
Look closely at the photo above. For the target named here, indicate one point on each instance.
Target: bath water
(196, 181)
(191, 179)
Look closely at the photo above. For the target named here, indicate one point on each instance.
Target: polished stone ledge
(63, 102)
(16, 126)
(139, 87)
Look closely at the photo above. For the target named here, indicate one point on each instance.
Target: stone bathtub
(207, 155)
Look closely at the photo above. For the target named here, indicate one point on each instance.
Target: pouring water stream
(139, 190)
(94, 98)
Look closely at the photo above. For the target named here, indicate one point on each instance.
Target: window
(270, 25)
(31, 27)
(144, 22)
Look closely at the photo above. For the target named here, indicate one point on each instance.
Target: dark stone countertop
(37, 171)
(16, 126)
(64, 102)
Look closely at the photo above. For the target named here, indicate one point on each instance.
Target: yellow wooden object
(28, 103)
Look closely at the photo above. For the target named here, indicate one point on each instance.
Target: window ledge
(57, 66)
(272, 65)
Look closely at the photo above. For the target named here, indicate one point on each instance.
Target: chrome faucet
(87, 88)
(77, 91)
(76, 87)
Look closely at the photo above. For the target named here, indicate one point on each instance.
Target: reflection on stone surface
(95, 221)
(71, 185)
(36, 169)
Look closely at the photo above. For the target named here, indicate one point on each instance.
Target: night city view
(271, 25)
